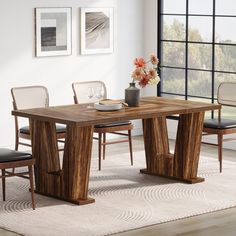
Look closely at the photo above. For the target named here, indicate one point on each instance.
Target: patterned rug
(125, 200)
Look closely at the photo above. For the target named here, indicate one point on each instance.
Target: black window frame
(186, 68)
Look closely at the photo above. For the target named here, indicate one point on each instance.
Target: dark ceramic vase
(132, 95)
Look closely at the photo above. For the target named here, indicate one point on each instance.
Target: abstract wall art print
(96, 30)
(53, 31)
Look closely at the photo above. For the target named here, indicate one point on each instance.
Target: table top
(81, 115)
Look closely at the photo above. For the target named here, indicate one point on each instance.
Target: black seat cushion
(7, 155)
(107, 125)
(224, 124)
(59, 129)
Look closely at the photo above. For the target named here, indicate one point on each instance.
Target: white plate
(108, 107)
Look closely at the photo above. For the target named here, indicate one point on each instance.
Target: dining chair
(14, 159)
(91, 92)
(220, 126)
(26, 98)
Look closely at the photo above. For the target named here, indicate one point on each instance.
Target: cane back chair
(26, 98)
(220, 126)
(81, 90)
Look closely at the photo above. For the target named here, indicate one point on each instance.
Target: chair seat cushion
(108, 125)
(7, 155)
(223, 124)
(59, 129)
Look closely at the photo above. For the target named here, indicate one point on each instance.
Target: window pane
(174, 27)
(225, 7)
(223, 29)
(173, 80)
(173, 54)
(175, 7)
(200, 32)
(223, 77)
(199, 83)
(200, 56)
(225, 58)
(200, 29)
(203, 7)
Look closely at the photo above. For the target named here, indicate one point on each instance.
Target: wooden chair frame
(220, 132)
(19, 135)
(16, 164)
(102, 141)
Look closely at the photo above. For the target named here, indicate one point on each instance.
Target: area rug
(125, 200)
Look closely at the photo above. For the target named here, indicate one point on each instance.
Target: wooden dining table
(70, 182)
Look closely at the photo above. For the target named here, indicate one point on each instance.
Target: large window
(197, 47)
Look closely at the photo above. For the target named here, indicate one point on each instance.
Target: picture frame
(97, 30)
(53, 31)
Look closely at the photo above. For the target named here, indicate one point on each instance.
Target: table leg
(71, 182)
(187, 147)
(76, 164)
(183, 165)
(158, 159)
(45, 152)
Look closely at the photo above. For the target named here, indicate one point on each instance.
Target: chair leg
(130, 146)
(17, 144)
(104, 146)
(31, 185)
(3, 185)
(220, 145)
(99, 150)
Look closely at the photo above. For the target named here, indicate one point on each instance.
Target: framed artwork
(96, 30)
(53, 31)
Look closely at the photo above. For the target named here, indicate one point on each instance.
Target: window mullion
(213, 54)
(159, 38)
(186, 52)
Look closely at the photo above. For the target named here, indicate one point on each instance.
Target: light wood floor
(221, 223)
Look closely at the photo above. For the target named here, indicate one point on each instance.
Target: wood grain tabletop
(149, 107)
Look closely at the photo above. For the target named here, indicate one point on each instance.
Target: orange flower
(139, 63)
(144, 81)
(137, 74)
(152, 73)
(153, 58)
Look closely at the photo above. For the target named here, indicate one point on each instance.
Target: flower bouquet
(146, 75)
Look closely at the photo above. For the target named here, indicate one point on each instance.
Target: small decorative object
(144, 76)
(132, 95)
(107, 107)
(53, 31)
(96, 30)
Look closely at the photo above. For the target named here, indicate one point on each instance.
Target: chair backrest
(30, 97)
(227, 94)
(89, 91)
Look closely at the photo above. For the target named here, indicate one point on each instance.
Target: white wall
(150, 39)
(19, 66)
